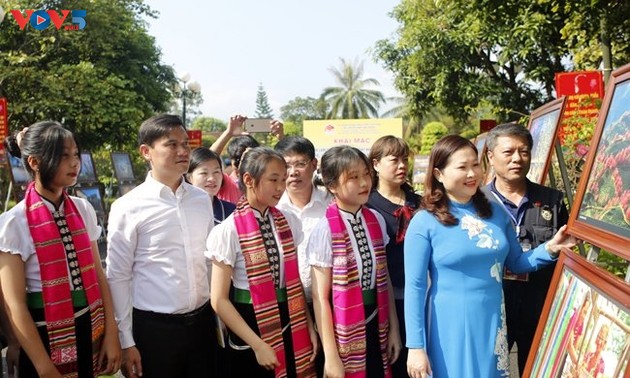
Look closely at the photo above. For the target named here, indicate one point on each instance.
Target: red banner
(582, 89)
(4, 121)
(194, 138)
(486, 125)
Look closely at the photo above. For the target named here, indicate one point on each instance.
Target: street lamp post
(187, 86)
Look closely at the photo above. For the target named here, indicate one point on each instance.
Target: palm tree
(352, 99)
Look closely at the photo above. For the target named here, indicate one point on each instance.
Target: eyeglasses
(299, 165)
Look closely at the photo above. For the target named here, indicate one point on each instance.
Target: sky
(231, 46)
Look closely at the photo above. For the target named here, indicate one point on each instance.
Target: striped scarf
(348, 313)
(263, 291)
(53, 265)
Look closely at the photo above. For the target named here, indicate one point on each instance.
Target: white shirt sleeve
(381, 222)
(223, 244)
(121, 244)
(319, 247)
(89, 217)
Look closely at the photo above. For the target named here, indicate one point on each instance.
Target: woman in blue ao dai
(461, 243)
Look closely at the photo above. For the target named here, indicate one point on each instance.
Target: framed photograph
(480, 143)
(122, 166)
(543, 125)
(482, 154)
(87, 175)
(93, 195)
(420, 166)
(601, 210)
(19, 175)
(584, 330)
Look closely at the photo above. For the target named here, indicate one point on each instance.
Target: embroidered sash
(56, 289)
(348, 313)
(263, 293)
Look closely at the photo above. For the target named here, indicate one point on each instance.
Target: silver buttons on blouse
(71, 254)
(364, 252)
(271, 247)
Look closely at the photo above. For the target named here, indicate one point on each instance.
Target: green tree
(460, 54)
(352, 99)
(208, 124)
(102, 81)
(263, 110)
(292, 128)
(596, 33)
(300, 109)
(431, 133)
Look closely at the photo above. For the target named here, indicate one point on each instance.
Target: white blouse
(223, 246)
(15, 237)
(319, 250)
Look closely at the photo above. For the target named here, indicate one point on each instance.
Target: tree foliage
(101, 81)
(431, 133)
(458, 54)
(352, 98)
(209, 124)
(299, 109)
(263, 110)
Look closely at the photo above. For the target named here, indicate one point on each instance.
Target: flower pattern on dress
(496, 271)
(501, 346)
(477, 228)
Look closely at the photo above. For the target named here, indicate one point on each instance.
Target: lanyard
(517, 222)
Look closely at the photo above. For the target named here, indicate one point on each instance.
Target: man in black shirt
(537, 212)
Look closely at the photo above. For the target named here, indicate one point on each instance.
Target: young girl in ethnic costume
(55, 290)
(271, 332)
(358, 325)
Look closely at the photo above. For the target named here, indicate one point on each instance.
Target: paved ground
(102, 250)
(513, 370)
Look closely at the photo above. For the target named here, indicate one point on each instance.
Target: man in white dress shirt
(302, 197)
(156, 267)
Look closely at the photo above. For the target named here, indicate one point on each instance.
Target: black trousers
(243, 363)
(83, 327)
(174, 346)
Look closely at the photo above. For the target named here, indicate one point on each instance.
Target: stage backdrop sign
(4, 121)
(360, 133)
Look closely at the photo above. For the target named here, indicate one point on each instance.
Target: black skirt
(243, 361)
(83, 327)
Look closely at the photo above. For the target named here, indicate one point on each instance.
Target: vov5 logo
(41, 19)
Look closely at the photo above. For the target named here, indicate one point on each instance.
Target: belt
(244, 296)
(186, 317)
(35, 300)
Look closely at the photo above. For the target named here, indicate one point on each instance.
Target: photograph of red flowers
(600, 213)
(606, 202)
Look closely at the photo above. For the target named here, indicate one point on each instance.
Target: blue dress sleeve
(417, 253)
(518, 261)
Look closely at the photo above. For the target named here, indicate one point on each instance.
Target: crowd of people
(261, 272)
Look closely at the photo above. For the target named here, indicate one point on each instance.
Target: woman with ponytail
(56, 295)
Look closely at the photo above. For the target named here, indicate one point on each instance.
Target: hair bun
(12, 146)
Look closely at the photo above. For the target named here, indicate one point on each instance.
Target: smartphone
(258, 125)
